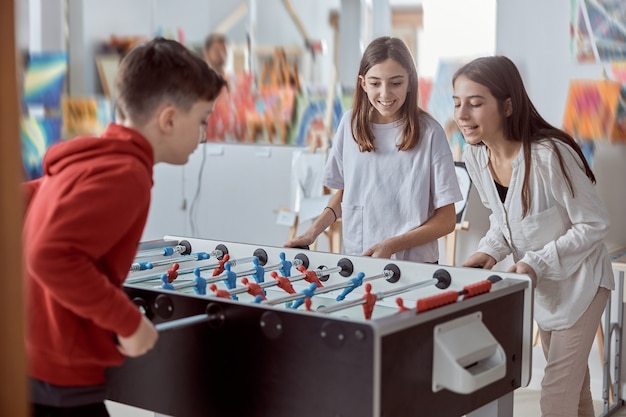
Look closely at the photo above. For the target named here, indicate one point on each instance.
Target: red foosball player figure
(172, 273)
(307, 304)
(370, 301)
(401, 306)
(254, 289)
(221, 263)
(310, 276)
(283, 282)
(220, 293)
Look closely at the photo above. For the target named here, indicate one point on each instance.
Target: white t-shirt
(561, 237)
(389, 192)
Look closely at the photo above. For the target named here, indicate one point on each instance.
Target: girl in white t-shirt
(391, 165)
(546, 213)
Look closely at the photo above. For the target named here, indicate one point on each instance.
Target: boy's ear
(166, 117)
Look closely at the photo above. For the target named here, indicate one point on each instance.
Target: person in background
(225, 123)
(215, 52)
(83, 222)
(546, 212)
(391, 165)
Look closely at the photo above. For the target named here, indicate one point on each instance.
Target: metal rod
(379, 296)
(235, 262)
(182, 271)
(161, 251)
(342, 305)
(199, 256)
(406, 288)
(322, 290)
(180, 323)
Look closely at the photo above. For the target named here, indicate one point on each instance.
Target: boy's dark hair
(163, 70)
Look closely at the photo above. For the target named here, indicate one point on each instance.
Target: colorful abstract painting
(619, 71)
(37, 135)
(43, 87)
(598, 30)
(309, 118)
(227, 122)
(44, 79)
(619, 127)
(271, 116)
(441, 105)
(594, 110)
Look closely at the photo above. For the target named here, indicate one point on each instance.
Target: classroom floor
(525, 404)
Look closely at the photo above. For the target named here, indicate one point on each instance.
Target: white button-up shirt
(561, 237)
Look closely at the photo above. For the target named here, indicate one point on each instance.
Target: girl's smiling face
(477, 112)
(386, 85)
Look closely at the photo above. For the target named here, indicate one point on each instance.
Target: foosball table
(253, 331)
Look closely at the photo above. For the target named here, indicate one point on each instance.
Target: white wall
(225, 192)
(453, 29)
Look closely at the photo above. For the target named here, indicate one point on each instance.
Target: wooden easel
(333, 233)
(318, 138)
(450, 242)
(279, 72)
(461, 223)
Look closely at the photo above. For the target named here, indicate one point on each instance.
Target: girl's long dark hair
(500, 75)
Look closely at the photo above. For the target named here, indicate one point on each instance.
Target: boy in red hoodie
(85, 218)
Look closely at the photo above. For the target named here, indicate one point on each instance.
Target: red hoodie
(83, 223)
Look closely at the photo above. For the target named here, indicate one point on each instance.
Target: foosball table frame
(258, 360)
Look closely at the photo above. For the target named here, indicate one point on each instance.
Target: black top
(501, 190)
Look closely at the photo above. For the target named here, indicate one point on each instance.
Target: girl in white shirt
(391, 165)
(546, 213)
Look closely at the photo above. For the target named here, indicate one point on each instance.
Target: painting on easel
(227, 122)
(594, 110)
(41, 125)
(619, 71)
(45, 78)
(441, 105)
(308, 126)
(37, 135)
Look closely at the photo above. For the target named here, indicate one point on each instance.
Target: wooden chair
(465, 183)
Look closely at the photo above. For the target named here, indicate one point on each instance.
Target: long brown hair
(380, 50)
(500, 75)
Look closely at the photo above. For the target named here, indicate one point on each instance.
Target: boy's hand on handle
(139, 342)
(524, 268)
(480, 260)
